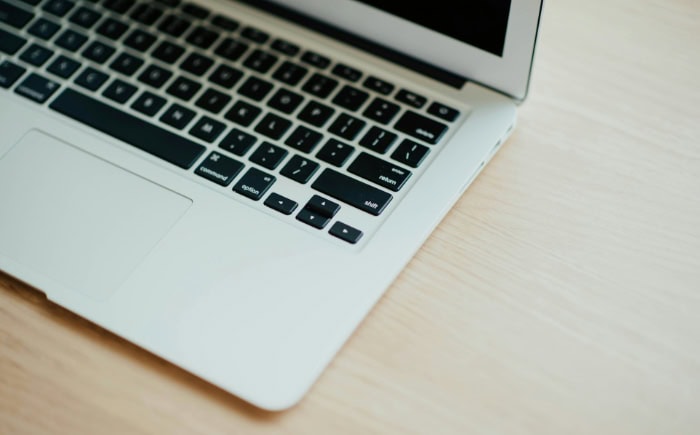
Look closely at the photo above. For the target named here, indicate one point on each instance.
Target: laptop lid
(490, 42)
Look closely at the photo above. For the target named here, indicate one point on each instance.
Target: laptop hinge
(429, 70)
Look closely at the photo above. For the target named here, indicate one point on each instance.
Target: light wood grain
(560, 296)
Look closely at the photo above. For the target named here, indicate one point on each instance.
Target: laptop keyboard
(224, 101)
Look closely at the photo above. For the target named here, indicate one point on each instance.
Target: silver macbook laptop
(232, 185)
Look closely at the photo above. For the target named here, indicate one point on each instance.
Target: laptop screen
(481, 23)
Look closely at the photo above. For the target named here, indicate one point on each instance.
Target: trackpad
(76, 219)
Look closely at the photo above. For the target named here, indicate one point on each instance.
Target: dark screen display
(481, 23)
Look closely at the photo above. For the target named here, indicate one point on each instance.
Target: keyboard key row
(286, 101)
(213, 101)
(203, 37)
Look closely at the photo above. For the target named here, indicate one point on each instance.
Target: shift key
(352, 191)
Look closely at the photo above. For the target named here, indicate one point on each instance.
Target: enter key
(379, 172)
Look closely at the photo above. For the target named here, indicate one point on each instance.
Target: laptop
(233, 185)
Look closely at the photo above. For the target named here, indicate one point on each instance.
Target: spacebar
(128, 128)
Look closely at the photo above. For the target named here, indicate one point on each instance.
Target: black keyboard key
(119, 6)
(290, 73)
(299, 169)
(260, 61)
(304, 139)
(411, 98)
(268, 155)
(128, 128)
(139, 40)
(63, 67)
(112, 29)
(13, 15)
(84, 17)
(98, 52)
(335, 152)
(147, 103)
(183, 88)
(154, 76)
(168, 52)
(378, 140)
(350, 97)
(31, 2)
(421, 127)
(285, 100)
(346, 126)
(320, 85)
(225, 23)
(43, 28)
(37, 88)
(71, 40)
(58, 7)
(281, 204)
(10, 43)
(273, 126)
(91, 79)
(202, 37)
(243, 113)
(195, 10)
(126, 64)
(237, 142)
(379, 171)
(207, 129)
(315, 59)
(255, 88)
(219, 168)
(347, 72)
(323, 206)
(378, 85)
(255, 35)
(254, 183)
(312, 218)
(442, 111)
(119, 91)
(345, 232)
(285, 47)
(213, 101)
(9, 73)
(177, 116)
(231, 49)
(410, 153)
(196, 64)
(146, 14)
(381, 110)
(316, 113)
(352, 192)
(36, 55)
(174, 25)
(225, 76)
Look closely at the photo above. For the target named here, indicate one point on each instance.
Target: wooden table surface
(560, 296)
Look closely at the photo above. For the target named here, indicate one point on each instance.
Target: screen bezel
(509, 73)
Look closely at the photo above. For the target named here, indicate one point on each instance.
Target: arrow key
(322, 206)
(345, 232)
(312, 218)
(278, 202)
